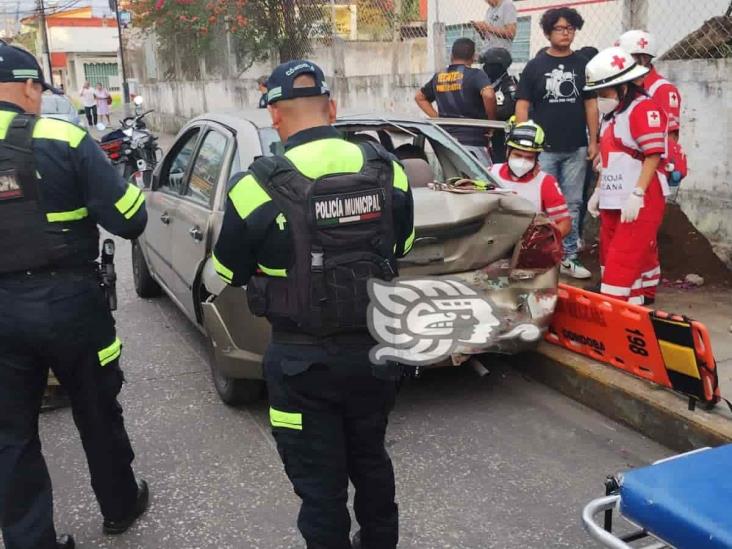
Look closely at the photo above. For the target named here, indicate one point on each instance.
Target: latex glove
(593, 204)
(631, 209)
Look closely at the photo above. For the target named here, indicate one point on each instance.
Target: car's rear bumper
(521, 301)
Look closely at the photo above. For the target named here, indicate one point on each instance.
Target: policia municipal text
(55, 186)
(305, 232)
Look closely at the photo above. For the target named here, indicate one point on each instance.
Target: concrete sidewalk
(654, 411)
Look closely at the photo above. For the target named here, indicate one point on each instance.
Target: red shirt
(541, 189)
(666, 95)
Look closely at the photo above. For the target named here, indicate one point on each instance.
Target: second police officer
(305, 232)
(56, 185)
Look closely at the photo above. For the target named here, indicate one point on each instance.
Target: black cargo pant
(330, 428)
(59, 321)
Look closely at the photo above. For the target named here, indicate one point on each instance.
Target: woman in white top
(90, 104)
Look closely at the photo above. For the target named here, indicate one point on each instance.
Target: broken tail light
(540, 246)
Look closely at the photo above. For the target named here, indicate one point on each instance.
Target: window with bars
(106, 73)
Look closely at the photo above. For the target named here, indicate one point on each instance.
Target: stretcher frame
(609, 504)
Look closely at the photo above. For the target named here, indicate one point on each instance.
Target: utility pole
(45, 52)
(123, 68)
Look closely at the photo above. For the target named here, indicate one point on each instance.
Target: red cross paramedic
(643, 47)
(630, 197)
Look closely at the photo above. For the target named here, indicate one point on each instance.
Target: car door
(191, 235)
(162, 203)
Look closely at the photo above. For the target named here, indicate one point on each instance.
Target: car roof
(260, 118)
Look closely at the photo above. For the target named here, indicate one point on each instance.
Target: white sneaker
(575, 269)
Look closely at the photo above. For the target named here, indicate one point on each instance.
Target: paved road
(498, 462)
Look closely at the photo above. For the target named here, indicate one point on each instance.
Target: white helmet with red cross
(611, 67)
(638, 41)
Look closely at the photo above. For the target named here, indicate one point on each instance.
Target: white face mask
(520, 166)
(606, 105)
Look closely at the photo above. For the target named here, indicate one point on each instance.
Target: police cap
(281, 83)
(19, 65)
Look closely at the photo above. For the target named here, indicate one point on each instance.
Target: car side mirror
(144, 179)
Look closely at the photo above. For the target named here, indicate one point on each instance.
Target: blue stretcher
(684, 502)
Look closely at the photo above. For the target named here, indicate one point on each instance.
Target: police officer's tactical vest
(342, 235)
(28, 240)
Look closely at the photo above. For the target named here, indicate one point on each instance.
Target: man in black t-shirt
(551, 86)
(462, 92)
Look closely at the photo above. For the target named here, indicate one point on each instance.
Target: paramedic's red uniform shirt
(666, 95)
(548, 197)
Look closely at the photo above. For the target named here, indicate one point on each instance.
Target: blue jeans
(569, 169)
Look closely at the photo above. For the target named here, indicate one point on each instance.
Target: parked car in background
(492, 239)
(60, 107)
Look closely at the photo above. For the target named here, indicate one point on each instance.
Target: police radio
(108, 274)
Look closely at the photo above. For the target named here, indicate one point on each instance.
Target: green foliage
(189, 30)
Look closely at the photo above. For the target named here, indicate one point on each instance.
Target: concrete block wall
(706, 135)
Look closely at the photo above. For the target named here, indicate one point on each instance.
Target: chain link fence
(203, 39)
(683, 29)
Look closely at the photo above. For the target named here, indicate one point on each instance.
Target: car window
(173, 179)
(53, 104)
(271, 144)
(207, 167)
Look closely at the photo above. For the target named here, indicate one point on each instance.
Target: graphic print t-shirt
(457, 92)
(553, 86)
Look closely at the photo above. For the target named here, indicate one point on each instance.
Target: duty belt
(299, 338)
(51, 272)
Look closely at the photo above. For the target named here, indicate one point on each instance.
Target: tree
(190, 29)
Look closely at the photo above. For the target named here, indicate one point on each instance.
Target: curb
(654, 411)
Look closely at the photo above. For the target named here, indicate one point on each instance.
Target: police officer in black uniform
(496, 62)
(305, 232)
(55, 186)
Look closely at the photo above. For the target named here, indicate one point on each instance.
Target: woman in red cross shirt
(630, 197)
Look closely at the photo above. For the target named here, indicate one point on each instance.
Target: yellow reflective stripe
(272, 272)
(326, 156)
(73, 215)
(132, 211)
(400, 178)
(110, 353)
(58, 130)
(222, 270)
(409, 242)
(247, 195)
(287, 420)
(6, 117)
(130, 201)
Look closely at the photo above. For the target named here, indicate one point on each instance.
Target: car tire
(145, 284)
(233, 391)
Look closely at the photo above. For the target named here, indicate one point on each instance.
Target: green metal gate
(101, 72)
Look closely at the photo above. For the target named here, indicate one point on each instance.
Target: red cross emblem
(643, 43)
(618, 62)
(654, 115)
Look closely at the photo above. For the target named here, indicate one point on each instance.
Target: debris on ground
(683, 250)
(694, 279)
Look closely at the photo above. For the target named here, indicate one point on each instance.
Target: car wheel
(145, 284)
(233, 391)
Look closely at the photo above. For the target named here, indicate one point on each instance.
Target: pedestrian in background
(284, 235)
(104, 102)
(262, 87)
(89, 103)
(630, 196)
(496, 62)
(461, 91)
(57, 185)
(551, 86)
(498, 29)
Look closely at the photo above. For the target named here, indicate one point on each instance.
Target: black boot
(65, 541)
(115, 527)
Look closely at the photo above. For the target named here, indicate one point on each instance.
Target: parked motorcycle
(132, 147)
